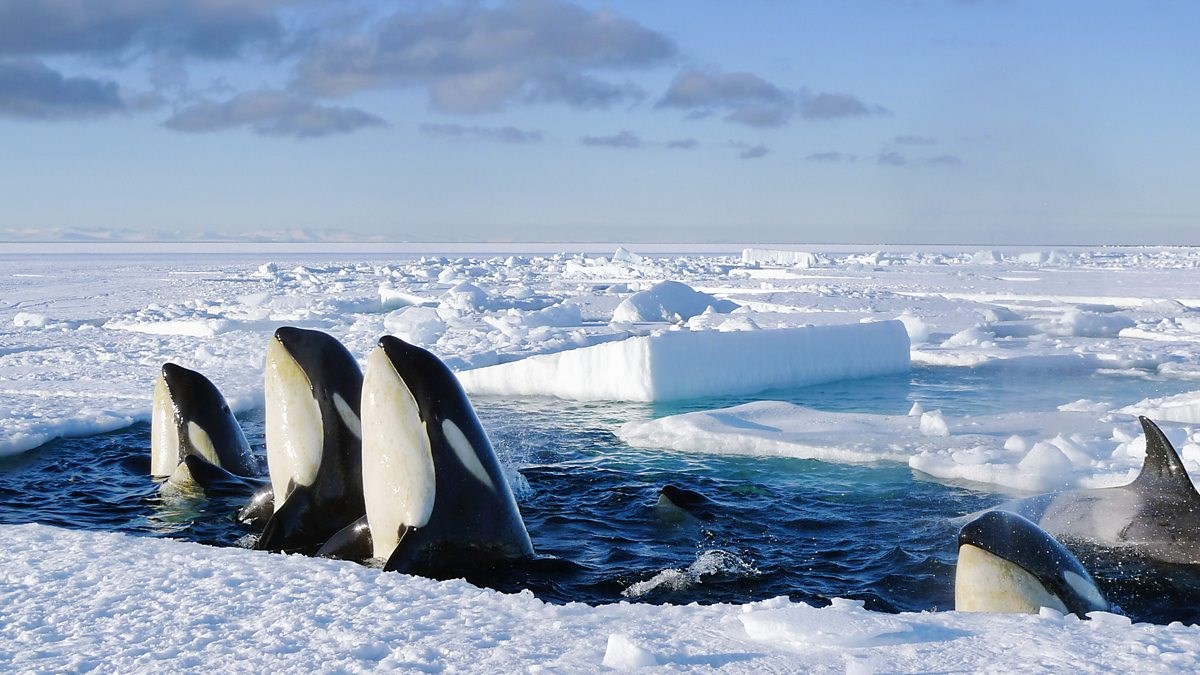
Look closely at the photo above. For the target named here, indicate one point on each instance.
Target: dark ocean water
(801, 528)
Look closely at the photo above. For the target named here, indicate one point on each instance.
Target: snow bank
(683, 364)
(391, 298)
(1078, 323)
(77, 601)
(188, 327)
(415, 324)
(1051, 257)
(918, 330)
(1034, 452)
(1182, 408)
(81, 337)
(986, 257)
(771, 428)
(801, 259)
(668, 301)
(30, 432)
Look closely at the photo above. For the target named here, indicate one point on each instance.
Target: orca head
(419, 432)
(1006, 563)
(312, 388)
(190, 417)
(676, 503)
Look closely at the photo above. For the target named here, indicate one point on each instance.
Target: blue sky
(862, 121)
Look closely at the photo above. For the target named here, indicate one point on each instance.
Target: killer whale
(312, 391)
(676, 503)
(1157, 515)
(436, 499)
(1006, 563)
(192, 427)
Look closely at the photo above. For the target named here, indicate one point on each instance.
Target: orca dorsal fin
(1162, 464)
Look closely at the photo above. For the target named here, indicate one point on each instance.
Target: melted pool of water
(801, 528)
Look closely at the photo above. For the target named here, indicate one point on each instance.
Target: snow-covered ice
(1025, 451)
(672, 365)
(77, 601)
(84, 330)
(669, 301)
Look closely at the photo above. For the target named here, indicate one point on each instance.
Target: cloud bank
(475, 58)
(272, 113)
(203, 28)
(748, 99)
(466, 57)
(505, 134)
(623, 140)
(30, 90)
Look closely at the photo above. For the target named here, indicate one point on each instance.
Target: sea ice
(76, 600)
(681, 364)
(668, 301)
(1033, 452)
(802, 259)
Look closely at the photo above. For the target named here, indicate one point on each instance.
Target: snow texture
(668, 301)
(80, 601)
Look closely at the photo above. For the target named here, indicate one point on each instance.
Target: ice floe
(682, 364)
(1027, 451)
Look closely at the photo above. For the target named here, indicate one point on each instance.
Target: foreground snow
(85, 600)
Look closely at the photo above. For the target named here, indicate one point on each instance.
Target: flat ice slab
(674, 365)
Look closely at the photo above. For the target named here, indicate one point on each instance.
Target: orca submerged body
(1157, 515)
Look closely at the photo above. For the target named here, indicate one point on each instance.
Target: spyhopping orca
(1008, 564)
(191, 426)
(1157, 515)
(436, 498)
(313, 435)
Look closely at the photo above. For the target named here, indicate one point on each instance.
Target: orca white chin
(294, 426)
(164, 432)
(399, 481)
(984, 582)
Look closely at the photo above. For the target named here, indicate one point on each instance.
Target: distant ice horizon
(431, 244)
